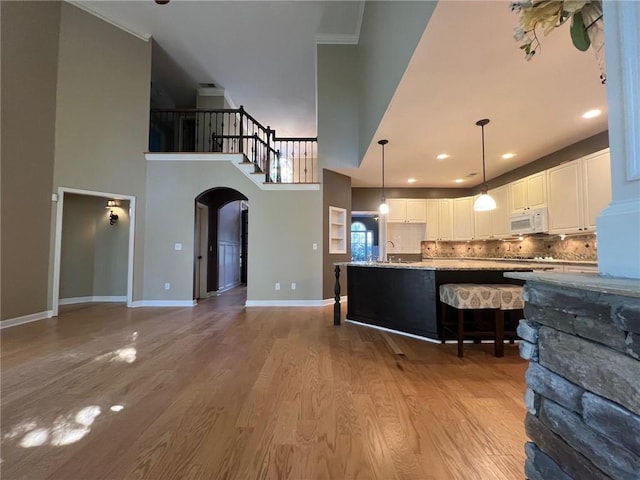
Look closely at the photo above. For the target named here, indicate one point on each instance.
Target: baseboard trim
(163, 303)
(284, 303)
(332, 301)
(33, 317)
(91, 299)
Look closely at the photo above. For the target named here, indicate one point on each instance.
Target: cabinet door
(397, 210)
(416, 210)
(433, 232)
(518, 194)
(500, 216)
(537, 190)
(483, 226)
(463, 218)
(597, 187)
(445, 219)
(565, 189)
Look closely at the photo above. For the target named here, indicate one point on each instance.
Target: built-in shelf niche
(337, 230)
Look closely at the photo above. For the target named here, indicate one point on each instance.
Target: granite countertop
(583, 281)
(448, 264)
(522, 260)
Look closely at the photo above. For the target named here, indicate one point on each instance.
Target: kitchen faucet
(389, 241)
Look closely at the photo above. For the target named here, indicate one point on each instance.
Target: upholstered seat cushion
(470, 295)
(510, 296)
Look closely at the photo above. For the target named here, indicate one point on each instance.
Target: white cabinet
(578, 192)
(494, 223)
(463, 219)
(397, 210)
(439, 219)
(409, 210)
(337, 230)
(596, 174)
(500, 216)
(565, 206)
(529, 192)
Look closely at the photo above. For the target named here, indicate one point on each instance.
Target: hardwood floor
(223, 392)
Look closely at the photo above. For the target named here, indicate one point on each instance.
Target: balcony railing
(282, 160)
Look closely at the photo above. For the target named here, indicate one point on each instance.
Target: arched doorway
(221, 241)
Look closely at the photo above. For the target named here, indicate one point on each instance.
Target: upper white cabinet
(596, 174)
(529, 192)
(463, 218)
(494, 223)
(578, 191)
(565, 207)
(410, 210)
(500, 216)
(445, 219)
(439, 219)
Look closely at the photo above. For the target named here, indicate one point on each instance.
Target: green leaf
(579, 35)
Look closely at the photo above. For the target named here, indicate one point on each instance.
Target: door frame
(55, 293)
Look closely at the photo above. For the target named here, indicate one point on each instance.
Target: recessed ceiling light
(507, 156)
(458, 180)
(591, 113)
(442, 156)
(412, 180)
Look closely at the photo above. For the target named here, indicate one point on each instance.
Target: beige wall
(282, 228)
(102, 122)
(94, 253)
(338, 106)
(111, 251)
(28, 126)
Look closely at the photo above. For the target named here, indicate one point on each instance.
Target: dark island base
(402, 299)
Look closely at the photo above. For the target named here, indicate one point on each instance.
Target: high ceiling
(466, 67)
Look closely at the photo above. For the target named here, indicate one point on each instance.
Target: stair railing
(281, 160)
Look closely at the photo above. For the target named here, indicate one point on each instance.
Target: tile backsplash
(578, 248)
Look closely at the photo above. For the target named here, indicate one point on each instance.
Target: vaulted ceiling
(466, 67)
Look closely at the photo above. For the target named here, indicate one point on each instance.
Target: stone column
(582, 338)
(618, 225)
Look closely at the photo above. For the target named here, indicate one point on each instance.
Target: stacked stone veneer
(583, 383)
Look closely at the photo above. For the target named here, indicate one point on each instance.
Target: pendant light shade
(484, 202)
(384, 207)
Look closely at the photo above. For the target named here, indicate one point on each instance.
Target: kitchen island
(404, 296)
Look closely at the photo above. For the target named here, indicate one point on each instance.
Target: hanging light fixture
(484, 202)
(384, 207)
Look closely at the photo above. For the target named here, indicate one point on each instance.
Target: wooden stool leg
(477, 318)
(499, 338)
(460, 331)
(443, 319)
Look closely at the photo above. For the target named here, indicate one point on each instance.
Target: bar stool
(474, 297)
(511, 300)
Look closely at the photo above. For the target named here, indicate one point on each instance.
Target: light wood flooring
(224, 392)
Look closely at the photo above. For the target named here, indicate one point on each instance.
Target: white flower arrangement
(550, 14)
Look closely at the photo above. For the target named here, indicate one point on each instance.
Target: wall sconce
(113, 218)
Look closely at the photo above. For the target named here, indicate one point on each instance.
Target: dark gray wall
(30, 32)
(336, 192)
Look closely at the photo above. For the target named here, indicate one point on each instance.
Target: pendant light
(484, 202)
(384, 207)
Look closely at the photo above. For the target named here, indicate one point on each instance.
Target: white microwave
(529, 221)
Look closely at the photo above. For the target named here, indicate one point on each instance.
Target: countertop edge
(626, 287)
